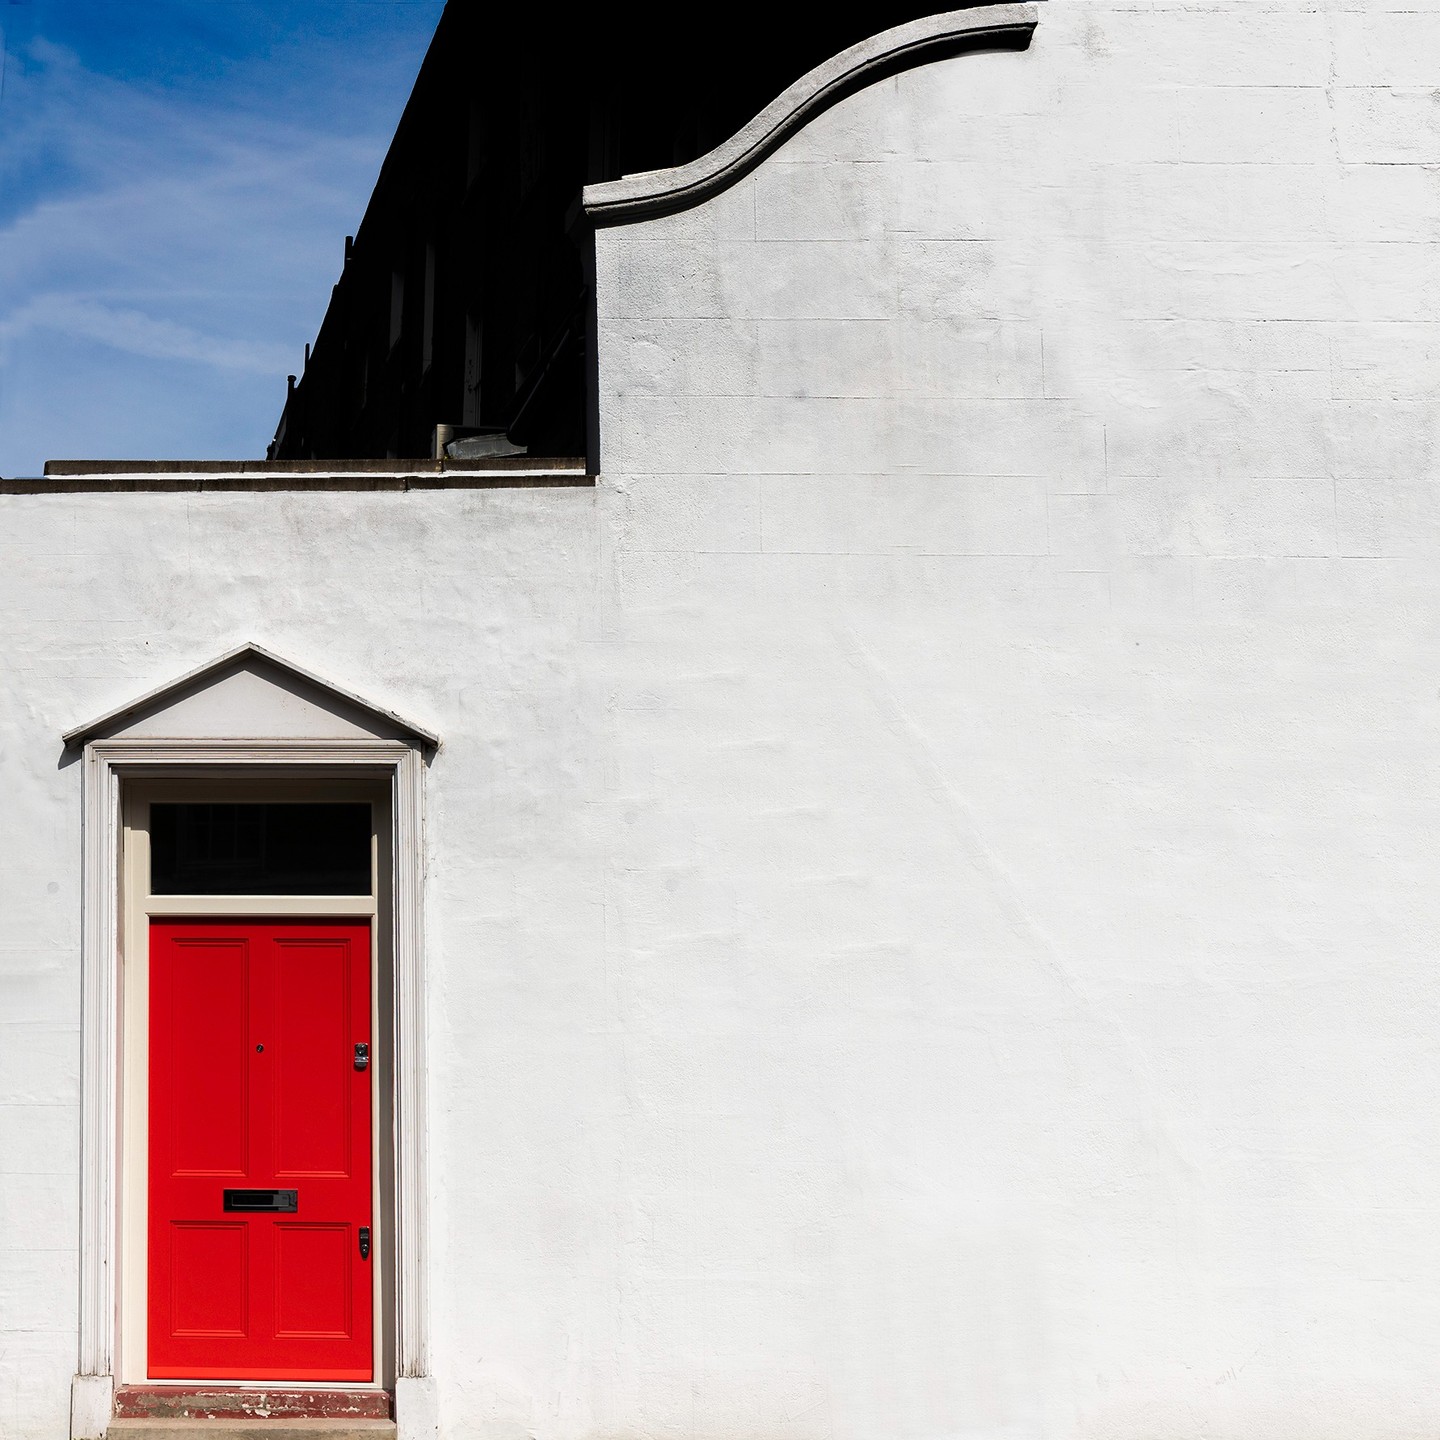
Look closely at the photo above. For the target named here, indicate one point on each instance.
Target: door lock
(362, 1056)
(364, 1242)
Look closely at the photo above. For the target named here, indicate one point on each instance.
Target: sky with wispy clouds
(176, 181)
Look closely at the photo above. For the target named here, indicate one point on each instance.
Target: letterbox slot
(284, 1202)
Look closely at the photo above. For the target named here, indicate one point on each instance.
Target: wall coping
(69, 477)
(661, 192)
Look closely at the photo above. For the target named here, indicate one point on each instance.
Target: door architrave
(106, 764)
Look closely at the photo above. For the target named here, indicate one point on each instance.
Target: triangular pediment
(253, 694)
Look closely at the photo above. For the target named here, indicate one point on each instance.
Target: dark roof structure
(462, 315)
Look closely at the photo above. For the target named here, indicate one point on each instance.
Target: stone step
(149, 1429)
(255, 1402)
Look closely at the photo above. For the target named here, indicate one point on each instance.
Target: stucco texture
(931, 901)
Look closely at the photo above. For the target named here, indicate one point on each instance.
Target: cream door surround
(249, 714)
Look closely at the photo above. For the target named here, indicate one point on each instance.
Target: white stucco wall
(1027, 547)
(466, 607)
(932, 911)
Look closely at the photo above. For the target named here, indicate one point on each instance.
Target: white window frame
(106, 764)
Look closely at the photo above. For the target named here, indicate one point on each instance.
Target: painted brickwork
(932, 866)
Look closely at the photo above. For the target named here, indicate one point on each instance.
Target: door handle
(364, 1242)
(362, 1056)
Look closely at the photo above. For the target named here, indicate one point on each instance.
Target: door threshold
(251, 1430)
(258, 1402)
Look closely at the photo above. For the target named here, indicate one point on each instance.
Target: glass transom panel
(279, 848)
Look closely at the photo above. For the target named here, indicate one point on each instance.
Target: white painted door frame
(106, 763)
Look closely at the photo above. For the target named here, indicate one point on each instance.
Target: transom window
(260, 849)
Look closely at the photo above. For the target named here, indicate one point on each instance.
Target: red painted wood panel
(312, 1096)
(253, 1028)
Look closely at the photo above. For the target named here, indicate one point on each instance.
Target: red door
(260, 1150)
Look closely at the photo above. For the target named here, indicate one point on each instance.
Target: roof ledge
(661, 192)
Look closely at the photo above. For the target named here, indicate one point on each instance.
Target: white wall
(932, 864)
(1025, 590)
(464, 608)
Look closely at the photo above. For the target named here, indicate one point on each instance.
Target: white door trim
(105, 763)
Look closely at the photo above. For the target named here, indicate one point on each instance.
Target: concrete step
(251, 1430)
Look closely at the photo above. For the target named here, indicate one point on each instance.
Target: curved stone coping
(659, 192)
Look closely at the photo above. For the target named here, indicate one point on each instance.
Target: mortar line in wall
(898, 553)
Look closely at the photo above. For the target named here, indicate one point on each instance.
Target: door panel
(253, 1087)
(208, 1018)
(312, 1280)
(312, 1101)
(209, 1268)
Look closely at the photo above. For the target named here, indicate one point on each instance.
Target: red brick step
(176, 1402)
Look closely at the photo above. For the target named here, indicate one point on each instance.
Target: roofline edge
(660, 192)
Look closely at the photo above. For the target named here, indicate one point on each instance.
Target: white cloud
(165, 229)
(136, 333)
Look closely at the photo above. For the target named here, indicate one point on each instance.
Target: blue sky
(176, 181)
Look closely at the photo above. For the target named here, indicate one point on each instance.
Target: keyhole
(258, 1049)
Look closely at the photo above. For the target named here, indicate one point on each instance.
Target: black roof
(463, 301)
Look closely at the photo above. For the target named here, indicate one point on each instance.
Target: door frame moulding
(106, 764)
